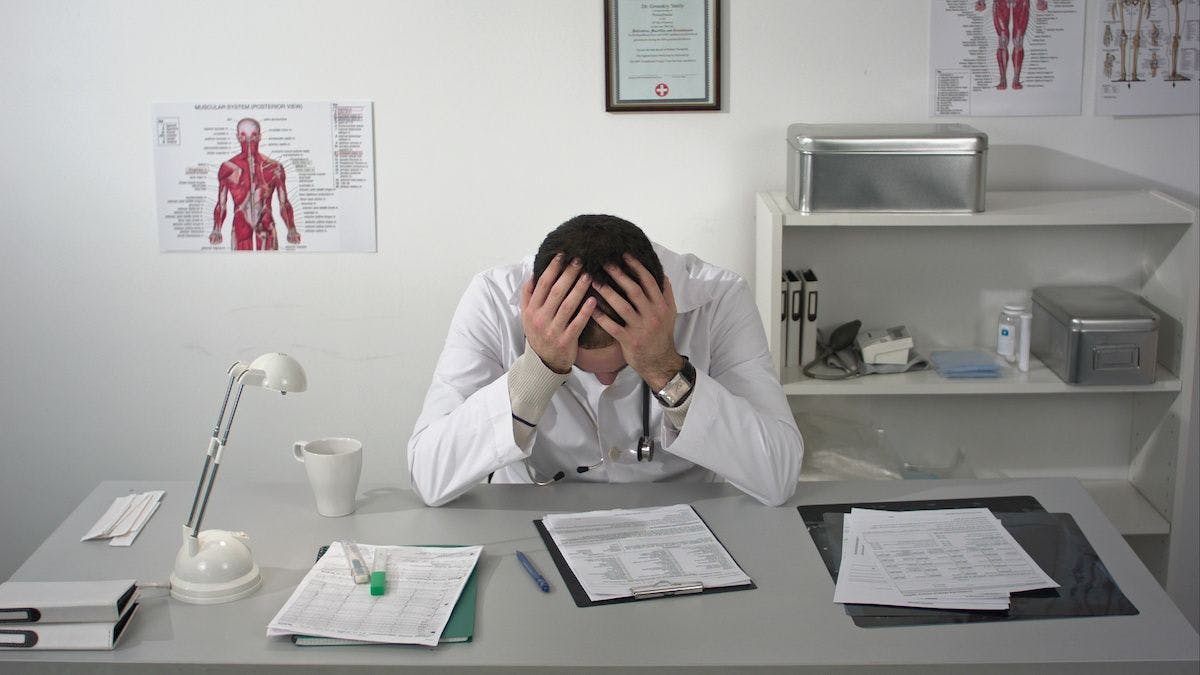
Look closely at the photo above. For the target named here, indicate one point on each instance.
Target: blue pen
(533, 573)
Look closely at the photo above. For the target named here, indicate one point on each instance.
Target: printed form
(613, 552)
(940, 558)
(423, 585)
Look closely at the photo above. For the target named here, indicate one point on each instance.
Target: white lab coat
(738, 426)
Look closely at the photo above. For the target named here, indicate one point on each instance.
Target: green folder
(459, 628)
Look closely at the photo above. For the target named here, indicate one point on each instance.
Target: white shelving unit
(945, 276)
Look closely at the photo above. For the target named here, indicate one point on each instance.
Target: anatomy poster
(268, 176)
(1147, 54)
(1006, 57)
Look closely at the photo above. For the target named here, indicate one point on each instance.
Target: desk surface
(789, 623)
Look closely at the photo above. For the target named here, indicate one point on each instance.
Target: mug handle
(298, 451)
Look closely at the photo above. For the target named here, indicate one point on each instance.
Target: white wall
(490, 129)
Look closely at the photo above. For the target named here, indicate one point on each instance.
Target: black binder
(1053, 540)
(580, 596)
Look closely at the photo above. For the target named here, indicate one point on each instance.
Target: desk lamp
(216, 566)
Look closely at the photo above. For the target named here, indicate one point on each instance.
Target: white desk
(788, 624)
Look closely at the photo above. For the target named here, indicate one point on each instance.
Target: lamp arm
(216, 449)
(235, 371)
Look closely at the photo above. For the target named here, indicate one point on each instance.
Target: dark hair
(598, 240)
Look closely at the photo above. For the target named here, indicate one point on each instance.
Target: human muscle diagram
(1006, 57)
(250, 179)
(1150, 56)
(265, 176)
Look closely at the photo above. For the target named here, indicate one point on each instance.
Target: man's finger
(611, 327)
(526, 294)
(631, 287)
(649, 285)
(562, 286)
(669, 294)
(569, 304)
(575, 328)
(549, 276)
(619, 304)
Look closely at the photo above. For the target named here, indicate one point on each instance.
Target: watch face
(673, 393)
(678, 387)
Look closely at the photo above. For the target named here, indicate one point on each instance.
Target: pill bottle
(1007, 338)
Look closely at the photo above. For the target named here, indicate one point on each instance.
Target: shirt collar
(679, 269)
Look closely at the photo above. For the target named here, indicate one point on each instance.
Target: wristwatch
(678, 388)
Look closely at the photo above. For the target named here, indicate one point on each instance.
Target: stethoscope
(644, 452)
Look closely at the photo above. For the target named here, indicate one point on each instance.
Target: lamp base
(213, 568)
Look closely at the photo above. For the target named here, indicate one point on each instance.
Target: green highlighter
(379, 572)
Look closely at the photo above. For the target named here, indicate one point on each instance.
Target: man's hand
(293, 236)
(648, 337)
(214, 237)
(546, 310)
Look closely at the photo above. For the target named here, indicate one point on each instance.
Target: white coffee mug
(333, 466)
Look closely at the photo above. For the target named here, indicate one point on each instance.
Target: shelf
(1014, 209)
(1126, 508)
(1039, 380)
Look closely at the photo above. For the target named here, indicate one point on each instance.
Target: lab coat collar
(689, 293)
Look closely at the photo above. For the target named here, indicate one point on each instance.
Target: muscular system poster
(1006, 57)
(265, 176)
(1148, 57)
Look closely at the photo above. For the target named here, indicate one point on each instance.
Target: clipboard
(580, 596)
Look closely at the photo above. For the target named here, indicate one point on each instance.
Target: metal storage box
(1094, 334)
(886, 167)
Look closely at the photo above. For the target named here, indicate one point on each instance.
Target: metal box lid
(939, 139)
(1096, 308)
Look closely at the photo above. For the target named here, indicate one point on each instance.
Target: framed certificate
(662, 55)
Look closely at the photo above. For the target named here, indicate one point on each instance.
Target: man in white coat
(605, 358)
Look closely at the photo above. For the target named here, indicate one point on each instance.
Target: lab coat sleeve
(465, 430)
(739, 424)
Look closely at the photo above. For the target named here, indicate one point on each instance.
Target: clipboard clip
(664, 588)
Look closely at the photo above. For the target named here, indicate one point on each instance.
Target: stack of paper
(942, 558)
(423, 586)
(122, 522)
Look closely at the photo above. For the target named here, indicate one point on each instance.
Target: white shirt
(738, 425)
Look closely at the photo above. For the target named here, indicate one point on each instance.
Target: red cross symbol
(662, 89)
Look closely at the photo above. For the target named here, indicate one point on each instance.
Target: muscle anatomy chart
(265, 176)
(1149, 56)
(1006, 57)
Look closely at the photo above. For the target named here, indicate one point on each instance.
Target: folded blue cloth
(965, 363)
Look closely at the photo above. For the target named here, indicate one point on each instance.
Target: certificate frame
(662, 55)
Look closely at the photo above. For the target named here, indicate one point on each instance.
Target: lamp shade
(277, 372)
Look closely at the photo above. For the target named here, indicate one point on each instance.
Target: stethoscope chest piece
(645, 449)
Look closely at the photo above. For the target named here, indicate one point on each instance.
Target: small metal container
(886, 167)
(1095, 334)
